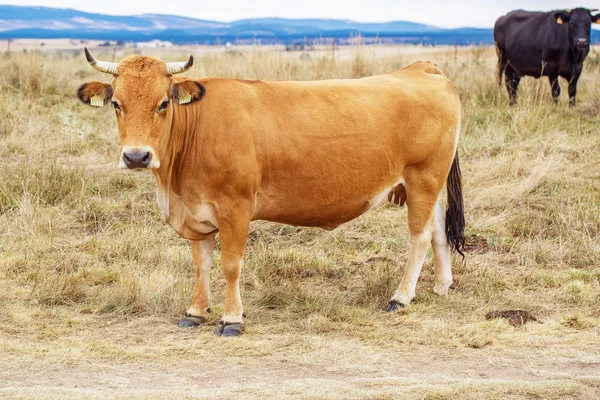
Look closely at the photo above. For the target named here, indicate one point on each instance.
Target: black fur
(540, 44)
(455, 216)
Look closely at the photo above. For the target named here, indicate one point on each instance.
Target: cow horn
(179, 67)
(593, 10)
(102, 66)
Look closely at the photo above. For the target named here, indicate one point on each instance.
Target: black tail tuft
(455, 216)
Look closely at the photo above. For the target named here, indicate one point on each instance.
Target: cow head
(579, 23)
(143, 93)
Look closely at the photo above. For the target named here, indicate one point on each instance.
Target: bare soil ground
(149, 357)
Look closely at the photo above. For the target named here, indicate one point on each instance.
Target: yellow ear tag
(97, 101)
(186, 99)
(559, 20)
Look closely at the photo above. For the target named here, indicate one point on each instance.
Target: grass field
(93, 284)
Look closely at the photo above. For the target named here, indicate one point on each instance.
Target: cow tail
(501, 64)
(455, 216)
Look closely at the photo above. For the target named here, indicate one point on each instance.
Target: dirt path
(380, 374)
(93, 357)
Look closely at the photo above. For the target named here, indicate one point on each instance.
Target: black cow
(539, 44)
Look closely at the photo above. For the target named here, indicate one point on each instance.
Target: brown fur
(398, 195)
(188, 88)
(91, 89)
(302, 153)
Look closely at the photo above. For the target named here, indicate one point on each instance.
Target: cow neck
(178, 148)
(578, 55)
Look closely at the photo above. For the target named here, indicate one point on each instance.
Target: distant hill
(45, 23)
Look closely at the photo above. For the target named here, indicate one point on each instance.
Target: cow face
(579, 22)
(143, 93)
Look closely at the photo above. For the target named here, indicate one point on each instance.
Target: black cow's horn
(593, 10)
(179, 67)
(102, 66)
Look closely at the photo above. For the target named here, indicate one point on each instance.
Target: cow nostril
(137, 159)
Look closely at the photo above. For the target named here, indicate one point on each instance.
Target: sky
(446, 14)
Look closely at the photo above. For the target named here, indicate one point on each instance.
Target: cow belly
(527, 68)
(326, 214)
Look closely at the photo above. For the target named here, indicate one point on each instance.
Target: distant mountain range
(18, 22)
(44, 23)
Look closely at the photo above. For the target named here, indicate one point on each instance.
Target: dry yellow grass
(92, 283)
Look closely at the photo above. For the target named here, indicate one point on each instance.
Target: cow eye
(116, 105)
(163, 105)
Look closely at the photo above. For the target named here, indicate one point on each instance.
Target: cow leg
(512, 79)
(233, 231)
(441, 252)
(202, 255)
(555, 87)
(421, 199)
(573, 90)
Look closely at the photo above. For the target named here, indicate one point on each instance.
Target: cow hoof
(394, 305)
(191, 321)
(229, 330)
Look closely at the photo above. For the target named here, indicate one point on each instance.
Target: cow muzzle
(138, 157)
(582, 42)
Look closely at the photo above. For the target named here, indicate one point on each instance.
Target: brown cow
(226, 152)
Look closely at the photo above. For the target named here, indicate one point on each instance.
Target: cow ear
(187, 91)
(95, 93)
(596, 19)
(562, 17)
